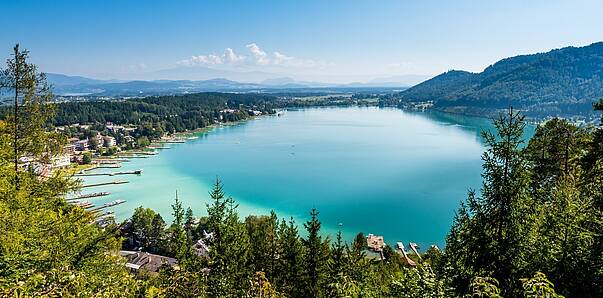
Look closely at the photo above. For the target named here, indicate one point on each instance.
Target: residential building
(82, 145)
(145, 262)
(109, 141)
(374, 242)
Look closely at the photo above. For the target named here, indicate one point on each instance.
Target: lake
(373, 170)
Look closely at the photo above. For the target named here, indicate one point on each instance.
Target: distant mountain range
(560, 82)
(77, 85)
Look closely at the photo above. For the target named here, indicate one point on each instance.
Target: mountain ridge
(565, 80)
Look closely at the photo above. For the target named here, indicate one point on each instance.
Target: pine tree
(262, 235)
(289, 269)
(189, 222)
(316, 256)
(338, 267)
(228, 246)
(592, 187)
(180, 244)
(495, 228)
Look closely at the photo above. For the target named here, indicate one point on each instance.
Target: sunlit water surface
(373, 170)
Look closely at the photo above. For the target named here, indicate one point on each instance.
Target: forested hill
(560, 82)
(168, 113)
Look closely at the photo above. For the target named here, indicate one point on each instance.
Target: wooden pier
(106, 166)
(88, 196)
(105, 183)
(172, 141)
(135, 156)
(110, 160)
(107, 205)
(144, 153)
(135, 172)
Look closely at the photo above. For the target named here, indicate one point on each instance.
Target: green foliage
(539, 287)
(156, 115)
(229, 247)
(489, 236)
(482, 287)
(560, 82)
(146, 230)
(538, 212)
(47, 248)
(143, 142)
(290, 276)
(317, 252)
(87, 158)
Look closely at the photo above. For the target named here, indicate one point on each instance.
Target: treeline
(166, 113)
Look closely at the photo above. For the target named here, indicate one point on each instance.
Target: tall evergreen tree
(229, 273)
(316, 256)
(592, 187)
(495, 227)
(289, 270)
(180, 243)
(262, 235)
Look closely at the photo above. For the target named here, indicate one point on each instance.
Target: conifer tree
(289, 272)
(316, 256)
(495, 227)
(229, 273)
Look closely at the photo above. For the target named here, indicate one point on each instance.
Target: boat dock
(88, 196)
(143, 153)
(106, 183)
(135, 156)
(172, 141)
(135, 172)
(105, 166)
(111, 160)
(83, 204)
(106, 205)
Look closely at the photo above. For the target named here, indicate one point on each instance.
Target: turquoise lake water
(374, 170)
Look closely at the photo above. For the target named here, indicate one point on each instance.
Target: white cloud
(257, 57)
(260, 57)
(228, 57)
(231, 57)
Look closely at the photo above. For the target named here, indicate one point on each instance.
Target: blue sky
(321, 40)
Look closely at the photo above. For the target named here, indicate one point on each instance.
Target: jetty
(88, 196)
(173, 141)
(107, 205)
(414, 248)
(106, 166)
(110, 160)
(135, 172)
(407, 260)
(105, 183)
(158, 147)
(135, 156)
(144, 153)
(83, 204)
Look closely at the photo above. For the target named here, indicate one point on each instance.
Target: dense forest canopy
(561, 82)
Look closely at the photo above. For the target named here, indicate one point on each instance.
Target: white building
(109, 141)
